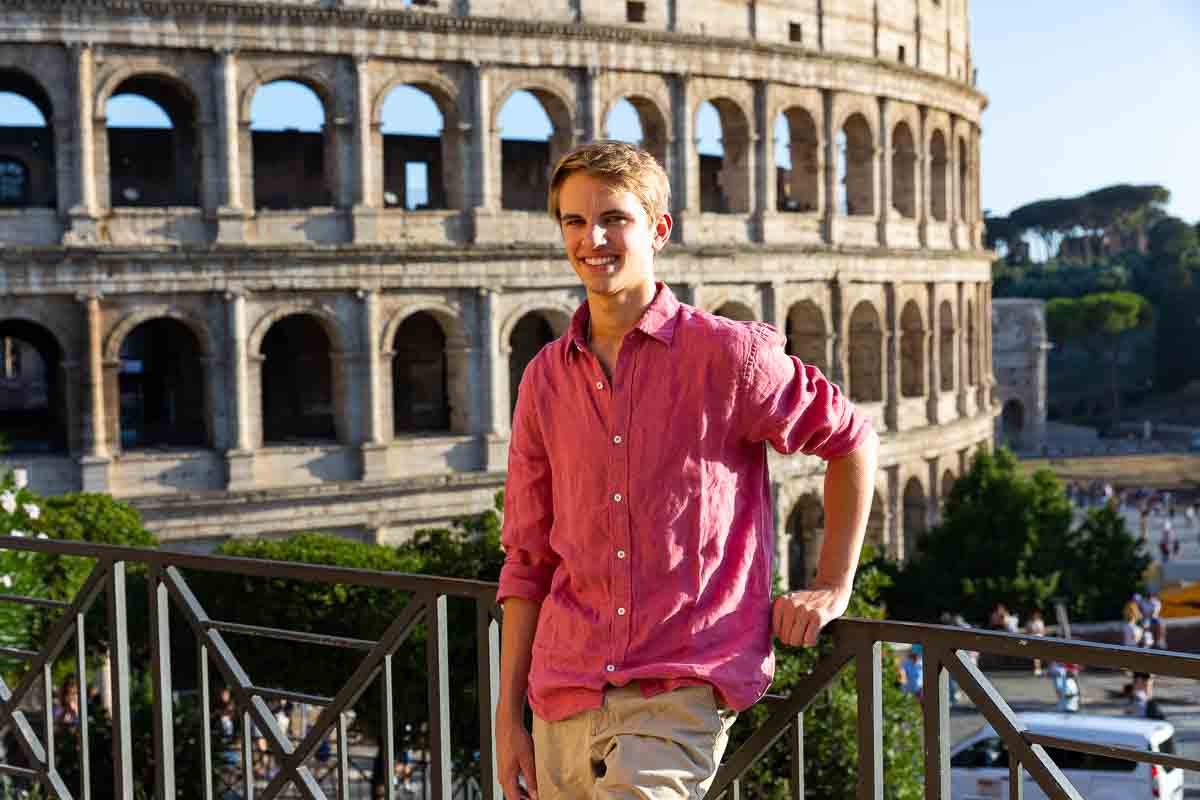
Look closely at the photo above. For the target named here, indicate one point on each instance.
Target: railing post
(487, 645)
(118, 651)
(936, 709)
(160, 667)
(1016, 779)
(388, 743)
(868, 667)
(85, 760)
(205, 720)
(437, 659)
(796, 741)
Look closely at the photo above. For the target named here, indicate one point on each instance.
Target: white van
(979, 763)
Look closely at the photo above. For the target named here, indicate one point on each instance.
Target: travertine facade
(383, 343)
(1019, 356)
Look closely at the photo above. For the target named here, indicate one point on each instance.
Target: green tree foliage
(831, 722)
(1007, 538)
(1100, 322)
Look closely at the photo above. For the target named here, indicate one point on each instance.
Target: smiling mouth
(600, 262)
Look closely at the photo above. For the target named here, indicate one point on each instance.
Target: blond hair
(623, 166)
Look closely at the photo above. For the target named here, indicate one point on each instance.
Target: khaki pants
(665, 748)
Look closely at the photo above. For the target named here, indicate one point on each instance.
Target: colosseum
(247, 332)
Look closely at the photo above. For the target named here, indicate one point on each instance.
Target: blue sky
(1083, 93)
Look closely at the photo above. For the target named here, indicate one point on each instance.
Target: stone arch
(939, 174)
(116, 337)
(32, 148)
(799, 189)
(735, 310)
(946, 344)
(528, 335)
(807, 335)
(805, 535)
(293, 169)
(904, 171)
(420, 392)
(451, 372)
(325, 316)
(301, 402)
(525, 166)
(916, 516)
(857, 156)
(558, 315)
(912, 351)
(656, 130)
(948, 481)
(162, 385)
(34, 416)
(726, 179)
(444, 158)
(866, 354)
(1012, 420)
(151, 167)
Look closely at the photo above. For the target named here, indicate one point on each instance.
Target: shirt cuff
(526, 581)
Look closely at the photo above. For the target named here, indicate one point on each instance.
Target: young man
(638, 527)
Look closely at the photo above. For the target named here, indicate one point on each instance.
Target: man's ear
(662, 231)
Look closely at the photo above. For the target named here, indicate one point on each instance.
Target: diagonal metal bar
(868, 672)
(1114, 751)
(393, 637)
(784, 715)
(239, 682)
(935, 707)
(1010, 729)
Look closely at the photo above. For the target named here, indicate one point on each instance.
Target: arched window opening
(161, 387)
(964, 182)
(724, 148)
(916, 523)
(639, 121)
(414, 154)
(947, 485)
(912, 351)
(972, 356)
(153, 145)
(420, 400)
(939, 176)
(33, 406)
(806, 336)
(736, 311)
(805, 532)
(946, 345)
(297, 382)
(28, 174)
(904, 171)
(1012, 421)
(531, 334)
(856, 154)
(866, 355)
(535, 130)
(294, 165)
(797, 162)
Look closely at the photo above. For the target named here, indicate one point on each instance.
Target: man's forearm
(516, 655)
(849, 487)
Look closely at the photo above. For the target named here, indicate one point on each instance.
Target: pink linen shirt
(638, 511)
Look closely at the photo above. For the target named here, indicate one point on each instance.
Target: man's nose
(599, 235)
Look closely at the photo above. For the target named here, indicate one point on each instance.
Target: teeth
(599, 262)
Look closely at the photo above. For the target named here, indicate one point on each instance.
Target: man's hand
(797, 617)
(514, 759)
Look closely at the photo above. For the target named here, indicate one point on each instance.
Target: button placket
(619, 475)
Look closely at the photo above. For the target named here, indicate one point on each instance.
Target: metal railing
(169, 594)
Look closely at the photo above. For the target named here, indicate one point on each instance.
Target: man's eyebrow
(606, 213)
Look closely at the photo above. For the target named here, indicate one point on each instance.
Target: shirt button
(620, 554)
(599, 384)
(617, 497)
(610, 668)
(617, 439)
(620, 612)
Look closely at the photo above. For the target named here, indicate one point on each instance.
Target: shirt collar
(657, 321)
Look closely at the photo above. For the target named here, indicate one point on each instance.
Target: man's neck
(613, 316)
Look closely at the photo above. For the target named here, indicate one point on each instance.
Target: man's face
(610, 239)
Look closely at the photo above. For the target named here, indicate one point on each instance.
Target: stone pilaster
(773, 310)
(374, 448)
(891, 350)
(883, 167)
(368, 159)
(494, 400)
(763, 197)
(97, 456)
(829, 174)
(231, 212)
(84, 224)
(933, 379)
(924, 162)
(588, 113)
(686, 181)
(239, 460)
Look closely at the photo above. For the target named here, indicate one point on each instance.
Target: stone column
(97, 455)
(764, 197)
(839, 366)
(588, 112)
(493, 400)
(239, 460)
(922, 170)
(773, 311)
(231, 212)
(933, 387)
(830, 206)
(368, 162)
(685, 184)
(84, 226)
(483, 153)
(962, 374)
(374, 447)
(891, 349)
(893, 518)
(883, 164)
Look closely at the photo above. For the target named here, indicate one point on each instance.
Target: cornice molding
(340, 16)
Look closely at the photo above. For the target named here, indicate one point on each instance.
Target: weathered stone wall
(482, 277)
(1020, 369)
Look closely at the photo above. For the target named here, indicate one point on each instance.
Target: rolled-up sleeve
(792, 405)
(529, 563)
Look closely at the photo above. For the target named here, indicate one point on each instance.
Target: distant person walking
(1036, 626)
